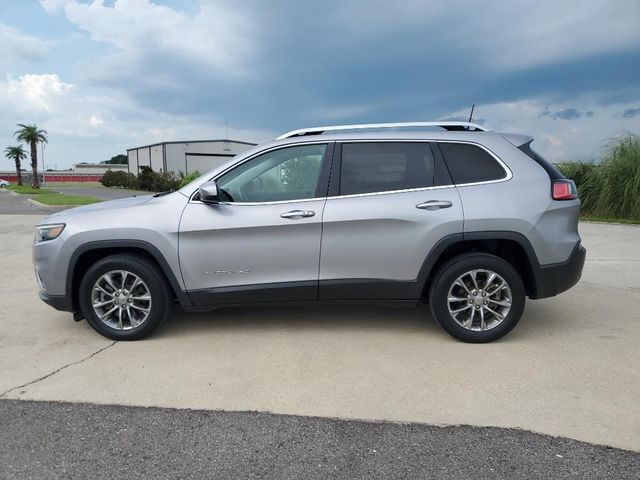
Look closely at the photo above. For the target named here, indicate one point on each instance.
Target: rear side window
(470, 164)
(385, 166)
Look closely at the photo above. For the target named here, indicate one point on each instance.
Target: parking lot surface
(62, 440)
(570, 368)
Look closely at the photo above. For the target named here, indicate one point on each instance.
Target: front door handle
(434, 204)
(297, 214)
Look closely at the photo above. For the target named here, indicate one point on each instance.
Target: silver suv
(468, 220)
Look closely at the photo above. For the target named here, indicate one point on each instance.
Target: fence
(53, 177)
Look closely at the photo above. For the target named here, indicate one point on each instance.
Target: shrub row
(147, 179)
(610, 189)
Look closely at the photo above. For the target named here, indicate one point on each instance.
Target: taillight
(564, 190)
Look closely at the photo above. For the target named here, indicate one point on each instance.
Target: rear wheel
(124, 297)
(477, 297)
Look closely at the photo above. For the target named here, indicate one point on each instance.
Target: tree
(17, 154)
(32, 135)
(117, 160)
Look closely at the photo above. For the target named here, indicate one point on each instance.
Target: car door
(261, 242)
(390, 202)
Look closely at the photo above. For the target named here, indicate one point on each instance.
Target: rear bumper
(59, 302)
(550, 280)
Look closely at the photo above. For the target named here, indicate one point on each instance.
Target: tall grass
(611, 188)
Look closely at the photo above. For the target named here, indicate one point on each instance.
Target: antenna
(471, 114)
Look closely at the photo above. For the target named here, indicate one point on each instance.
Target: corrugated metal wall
(184, 157)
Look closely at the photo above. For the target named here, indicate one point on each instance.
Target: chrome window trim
(261, 152)
(508, 173)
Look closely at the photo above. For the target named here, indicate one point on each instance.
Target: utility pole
(43, 167)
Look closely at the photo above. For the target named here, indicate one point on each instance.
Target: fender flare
(147, 247)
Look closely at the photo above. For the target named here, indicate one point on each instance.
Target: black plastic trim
(183, 297)
(258, 293)
(559, 277)
(365, 289)
(552, 171)
(59, 302)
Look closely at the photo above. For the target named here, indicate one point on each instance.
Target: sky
(104, 76)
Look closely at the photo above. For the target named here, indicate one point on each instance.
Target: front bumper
(550, 280)
(59, 302)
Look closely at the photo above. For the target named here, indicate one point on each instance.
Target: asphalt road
(64, 440)
(11, 204)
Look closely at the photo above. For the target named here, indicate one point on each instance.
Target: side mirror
(209, 192)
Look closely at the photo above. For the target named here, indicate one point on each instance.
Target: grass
(49, 196)
(611, 189)
(63, 199)
(26, 189)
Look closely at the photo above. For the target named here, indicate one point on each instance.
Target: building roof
(192, 141)
(99, 165)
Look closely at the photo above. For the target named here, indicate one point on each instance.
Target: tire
(498, 311)
(135, 317)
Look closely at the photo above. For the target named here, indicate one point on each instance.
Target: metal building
(185, 157)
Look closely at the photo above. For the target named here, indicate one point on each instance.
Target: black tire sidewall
(455, 267)
(149, 273)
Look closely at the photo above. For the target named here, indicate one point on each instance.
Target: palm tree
(17, 154)
(31, 135)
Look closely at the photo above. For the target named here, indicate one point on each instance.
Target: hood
(61, 217)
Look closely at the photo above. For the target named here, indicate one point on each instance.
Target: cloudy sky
(104, 76)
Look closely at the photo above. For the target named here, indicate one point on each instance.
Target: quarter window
(385, 166)
(286, 174)
(469, 163)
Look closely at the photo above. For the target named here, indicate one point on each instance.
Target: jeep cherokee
(468, 220)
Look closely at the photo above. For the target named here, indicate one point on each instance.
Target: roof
(395, 126)
(224, 140)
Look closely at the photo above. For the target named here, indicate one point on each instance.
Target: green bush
(185, 179)
(152, 181)
(147, 180)
(115, 178)
(610, 189)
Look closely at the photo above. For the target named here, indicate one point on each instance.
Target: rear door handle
(434, 204)
(297, 214)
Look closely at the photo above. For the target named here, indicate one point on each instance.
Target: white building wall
(143, 158)
(185, 157)
(157, 162)
(175, 157)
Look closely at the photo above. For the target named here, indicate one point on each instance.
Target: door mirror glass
(209, 192)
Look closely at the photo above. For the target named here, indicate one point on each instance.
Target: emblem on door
(226, 272)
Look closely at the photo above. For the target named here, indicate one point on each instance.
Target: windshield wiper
(162, 194)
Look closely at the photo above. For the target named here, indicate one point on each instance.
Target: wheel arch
(91, 252)
(513, 247)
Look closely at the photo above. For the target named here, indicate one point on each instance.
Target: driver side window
(290, 173)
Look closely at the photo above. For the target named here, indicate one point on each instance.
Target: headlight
(48, 232)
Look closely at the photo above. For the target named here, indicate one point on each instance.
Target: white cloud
(33, 93)
(18, 46)
(216, 37)
(557, 139)
(84, 126)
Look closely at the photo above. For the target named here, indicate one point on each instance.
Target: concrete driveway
(570, 368)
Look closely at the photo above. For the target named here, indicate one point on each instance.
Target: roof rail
(450, 126)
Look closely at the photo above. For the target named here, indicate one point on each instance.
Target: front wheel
(124, 297)
(477, 297)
